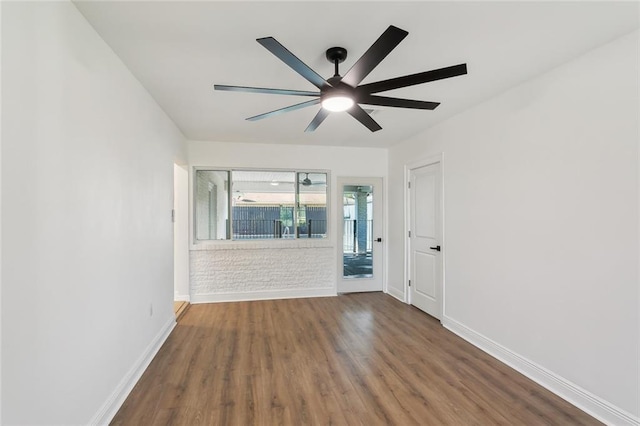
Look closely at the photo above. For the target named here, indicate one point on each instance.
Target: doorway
(425, 236)
(360, 235)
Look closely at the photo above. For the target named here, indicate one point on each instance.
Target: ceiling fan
(345, 93)
(239, 197)
(307, 182)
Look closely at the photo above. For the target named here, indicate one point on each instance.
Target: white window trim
(249, 244)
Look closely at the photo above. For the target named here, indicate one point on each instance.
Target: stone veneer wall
(262, 270)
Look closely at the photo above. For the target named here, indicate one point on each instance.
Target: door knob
(436, 248)
(379, 240)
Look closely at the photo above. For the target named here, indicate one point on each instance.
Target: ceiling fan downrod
(336, 55)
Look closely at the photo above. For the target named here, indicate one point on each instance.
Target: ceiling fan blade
(361, 115)
(285, 109)
(273, 46)
(264, 90)
(372, 57)
(396, 102)
(413, 79)
(317, 120)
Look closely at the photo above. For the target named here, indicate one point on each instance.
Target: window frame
(296, 240)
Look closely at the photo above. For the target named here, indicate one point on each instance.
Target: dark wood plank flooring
(357, 359)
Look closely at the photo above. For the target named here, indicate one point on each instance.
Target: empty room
(320, 212)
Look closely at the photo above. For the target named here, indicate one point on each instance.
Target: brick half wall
(247, 273)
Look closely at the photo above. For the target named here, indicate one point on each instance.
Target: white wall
(541, 225)
(181, 232)
(87, 253)
(227, 270)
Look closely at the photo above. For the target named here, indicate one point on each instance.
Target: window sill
(261, 244)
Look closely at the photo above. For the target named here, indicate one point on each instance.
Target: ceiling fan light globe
(337, 103)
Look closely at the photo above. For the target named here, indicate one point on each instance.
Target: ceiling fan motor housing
(336, 88)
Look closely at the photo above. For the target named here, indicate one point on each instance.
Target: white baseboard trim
(111, 406)
(581, 398)
(262, 295)
(396, 293)
(181, 298)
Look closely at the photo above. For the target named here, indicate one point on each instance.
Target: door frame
(180, 218)
(379, 247)
(433, 159)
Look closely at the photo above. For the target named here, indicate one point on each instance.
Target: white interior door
(360, 234)
(425, 238)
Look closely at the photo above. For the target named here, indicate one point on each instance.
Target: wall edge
(113, 403)
(593, 405)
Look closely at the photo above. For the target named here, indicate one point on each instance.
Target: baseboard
(581, 398)
(181, 298)
(396, 293)
(262, 295)
(111, 406)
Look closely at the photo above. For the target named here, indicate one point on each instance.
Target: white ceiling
(178, 50)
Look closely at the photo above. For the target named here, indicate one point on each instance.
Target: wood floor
(180, 308)
(358, 359)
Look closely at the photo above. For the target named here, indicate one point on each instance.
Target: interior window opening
(260, 205)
